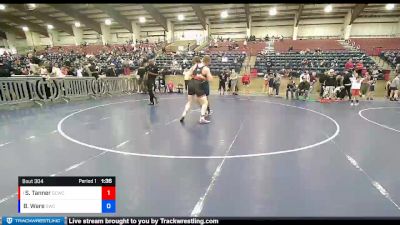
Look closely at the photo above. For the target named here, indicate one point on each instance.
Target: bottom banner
(140, 221)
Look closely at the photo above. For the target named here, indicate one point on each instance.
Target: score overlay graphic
(66, 195)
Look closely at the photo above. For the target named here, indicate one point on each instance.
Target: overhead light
(181, 17)
(77, 24)
(224, 14)
(142, 19)
(389, 6)
(328, 8)
(31, 6)
(25, 28)
(273, 11)
(2, 7)
(50, 27)
(107, 22)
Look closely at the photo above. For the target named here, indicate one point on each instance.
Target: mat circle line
(62, 133)
(376, 123)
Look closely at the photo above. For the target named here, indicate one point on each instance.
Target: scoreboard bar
(66, 181)
(66, 195)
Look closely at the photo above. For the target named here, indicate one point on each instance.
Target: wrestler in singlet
(198, 86)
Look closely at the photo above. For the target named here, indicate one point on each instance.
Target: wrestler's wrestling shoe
(204, 121)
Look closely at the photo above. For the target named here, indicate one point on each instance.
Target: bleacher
(174, 47)
(292, 60)
(391, 57)
(96, 49)
(216, 67)
(374, 46)
(253, 47)
(299, 45)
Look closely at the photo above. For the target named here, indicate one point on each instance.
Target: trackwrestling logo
(9, 220)
(33, 220)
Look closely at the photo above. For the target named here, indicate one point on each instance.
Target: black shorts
(221, 85)
(393, 88)
(196, 87)
(372, 88)
(186, 84)
(140, 81)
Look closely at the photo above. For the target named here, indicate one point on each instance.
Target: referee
(152, 73)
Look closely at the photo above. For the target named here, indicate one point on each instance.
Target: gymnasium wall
(228, 29)
(119, 34)
(370, 27)
(308, 28)
(65, 39)
(275, 28)
(189, 32)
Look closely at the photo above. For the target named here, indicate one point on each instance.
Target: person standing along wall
(234, 79)
(152, 72)
(277, 83)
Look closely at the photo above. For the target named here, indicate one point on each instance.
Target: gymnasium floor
(260, 156)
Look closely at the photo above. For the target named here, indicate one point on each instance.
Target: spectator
(86, 70)
(291, 87)
(170, 87)
(313, 80)
(43, 70)
(305, 76)
(359, 65)
(365, 85)
(111, 71)
(266, 80)
(340, 92)
(246, 82)
(330, 84)
(277, 83)
(372, 83)
(349, 65)
(4, 71)
(355, 87)
(303, 89)
(127, 70)
(215, 44)
(65, 70)
(271, 82)
(233, 78)
(56, 71)
(394, 88)
(387, 89)
(79, 71)
(347, 83)
(94, 70)
(223, 77)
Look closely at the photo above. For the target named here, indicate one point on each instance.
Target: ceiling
(63, 16)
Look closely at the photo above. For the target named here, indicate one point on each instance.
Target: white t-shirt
(79, 73)
(43, 71)
(356, 84)
(57, 72)
(305, 76)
